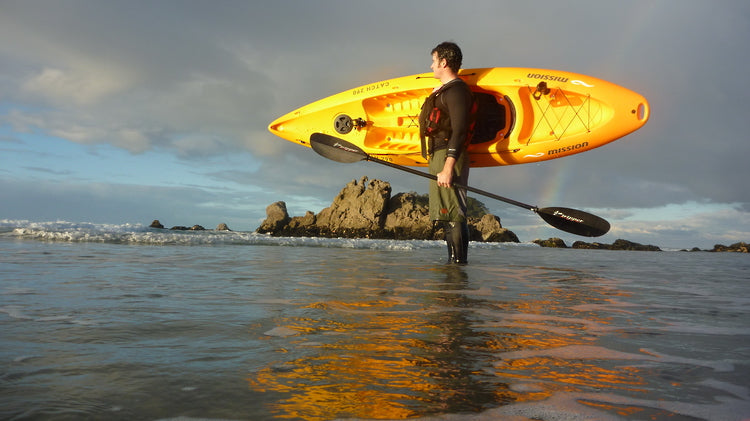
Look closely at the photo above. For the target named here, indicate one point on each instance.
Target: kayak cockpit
(494, 118)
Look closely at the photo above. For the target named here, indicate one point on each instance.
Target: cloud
(688, 224)
(81, 87)
(202, 81)
(49, 171)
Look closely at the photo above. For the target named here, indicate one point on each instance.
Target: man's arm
(458, 102)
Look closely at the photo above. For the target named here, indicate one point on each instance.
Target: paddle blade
(336, 149)
(574, 221)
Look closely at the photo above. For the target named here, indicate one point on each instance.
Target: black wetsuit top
(454, 100)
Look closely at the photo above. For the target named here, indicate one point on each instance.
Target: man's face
(437, 66)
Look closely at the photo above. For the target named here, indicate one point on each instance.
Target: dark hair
(451, 53)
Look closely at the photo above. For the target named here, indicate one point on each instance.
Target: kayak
(524, 115)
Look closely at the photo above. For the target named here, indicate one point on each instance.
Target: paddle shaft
(569, 220)
(469, 188)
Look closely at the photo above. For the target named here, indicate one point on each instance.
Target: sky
(129, 111)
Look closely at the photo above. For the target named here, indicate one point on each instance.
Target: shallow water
(124, 322)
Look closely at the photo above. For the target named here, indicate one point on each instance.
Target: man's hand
(445, 177)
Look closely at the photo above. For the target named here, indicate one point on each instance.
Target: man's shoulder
(458, 89)
(458, 82)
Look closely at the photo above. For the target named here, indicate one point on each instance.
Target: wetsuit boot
(448, 229)
(457, 239)
(463, 255)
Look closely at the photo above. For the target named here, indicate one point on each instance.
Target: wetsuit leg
(457, 239)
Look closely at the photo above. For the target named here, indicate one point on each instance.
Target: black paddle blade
(574, 221)
(336, 149)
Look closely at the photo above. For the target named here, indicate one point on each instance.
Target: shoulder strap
(445, 87)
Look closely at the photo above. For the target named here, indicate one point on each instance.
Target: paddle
(565, 219)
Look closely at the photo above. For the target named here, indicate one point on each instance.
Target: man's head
(451, 53)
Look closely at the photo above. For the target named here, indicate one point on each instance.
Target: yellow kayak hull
(526, 115)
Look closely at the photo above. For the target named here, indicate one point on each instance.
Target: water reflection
(393, 352)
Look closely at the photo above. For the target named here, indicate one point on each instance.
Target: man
(445, 123)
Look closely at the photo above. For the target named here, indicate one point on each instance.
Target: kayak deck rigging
(546, 115)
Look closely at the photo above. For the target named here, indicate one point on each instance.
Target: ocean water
(126, 322)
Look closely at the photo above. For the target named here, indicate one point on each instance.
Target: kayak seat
(490, 118)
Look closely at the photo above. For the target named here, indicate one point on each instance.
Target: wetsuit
(445, 124)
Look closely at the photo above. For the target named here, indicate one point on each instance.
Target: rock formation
(193, 228)
(365, 209)
(360, 207)
(489, 230)
(617, 245)
(408, 217)
(157, 224)
(551, 242)
(740, 247)
(276, 217)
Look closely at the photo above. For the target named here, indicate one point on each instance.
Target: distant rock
(157, 224)
(740, 247)
(365, 209)
(552, 242)
(183, 228)
(617, 245)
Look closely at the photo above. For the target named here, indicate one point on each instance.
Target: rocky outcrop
(302, 223)
(365, 209)
(617, 245)
(158, 225)
(740, 247)
(193, 228)
(551, 242)
(276, 217)
(489, 230)
(360, 207)
(408, 217)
